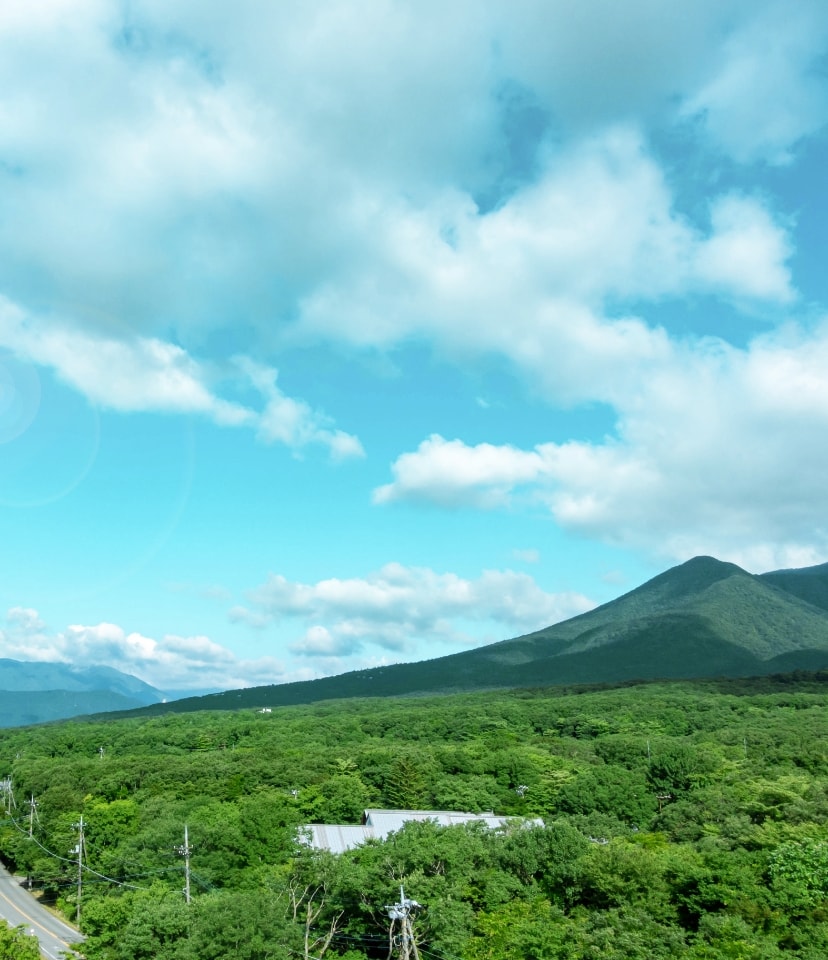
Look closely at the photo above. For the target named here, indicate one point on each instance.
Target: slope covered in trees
(683, 820)
(703, 618)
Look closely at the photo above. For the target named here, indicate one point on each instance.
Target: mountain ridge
(702, 618)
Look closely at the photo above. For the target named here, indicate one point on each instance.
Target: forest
(680, 820)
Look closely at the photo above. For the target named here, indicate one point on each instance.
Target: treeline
(685, 820)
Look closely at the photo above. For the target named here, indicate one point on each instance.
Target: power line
(85, 866)
(8, 800)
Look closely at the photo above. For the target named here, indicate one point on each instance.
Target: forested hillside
(703, 618)
(684, 820)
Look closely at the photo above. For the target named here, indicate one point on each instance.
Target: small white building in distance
(377, 824)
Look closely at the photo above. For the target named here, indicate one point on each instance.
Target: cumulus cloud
(538, 280)
(236, 170)
(169, 663)
(147, 374)
(292, 421)
(360, 177)
(25, 618)
(766, 90)
(746, 253)
(454, 474)
(715, 453)
(398, 606)
(140, 374)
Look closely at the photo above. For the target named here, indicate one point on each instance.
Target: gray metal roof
(337, 837)
(378, 824)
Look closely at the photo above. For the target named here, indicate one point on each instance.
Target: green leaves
(734, 863)
(17, 944)
(799, 873)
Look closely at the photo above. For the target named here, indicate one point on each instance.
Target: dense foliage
(16, 944)
(685, 820)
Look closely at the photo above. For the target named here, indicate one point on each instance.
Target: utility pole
(184, 850)
(7, 791)
(32, 815)
(402, 911)
(79, 851)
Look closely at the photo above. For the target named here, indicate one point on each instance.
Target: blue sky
(346, 333)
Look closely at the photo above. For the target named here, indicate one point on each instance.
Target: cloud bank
(339, 625)
(398, 608)
(170, 663)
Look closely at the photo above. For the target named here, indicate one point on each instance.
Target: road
(19, 908)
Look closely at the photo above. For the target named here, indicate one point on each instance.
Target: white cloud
(746, 252)
(170, 663)
(457, 475)
(287, 173)
(293, 422)
(278, 163)
(139, 374)
(767, 89)
(398, 607)
(350, 624)
(318, 641)
(594, 61)
(534, 279)
(147, 374)
(717, 452)
(25, 618)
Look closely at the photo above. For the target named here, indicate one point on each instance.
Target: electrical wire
(83, 866)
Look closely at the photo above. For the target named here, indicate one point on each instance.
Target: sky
(361, 332)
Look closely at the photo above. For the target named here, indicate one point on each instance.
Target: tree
(609, 789)
(244, 925)
(799, 873)
(17, 944)
(518, 930)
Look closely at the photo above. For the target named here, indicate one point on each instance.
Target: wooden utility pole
(79, 850)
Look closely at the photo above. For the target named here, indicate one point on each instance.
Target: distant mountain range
(32, 692)
(704, 618)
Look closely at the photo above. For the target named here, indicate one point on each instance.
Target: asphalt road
(19, 908)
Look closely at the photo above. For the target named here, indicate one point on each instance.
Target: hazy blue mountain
(704, 618)
(39, 706)
(33, 692)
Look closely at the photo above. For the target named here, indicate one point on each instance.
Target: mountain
(18, 709)
(808, 583)
(32, 692)
(704, 618)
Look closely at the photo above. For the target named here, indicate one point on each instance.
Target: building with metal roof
(378, 824)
